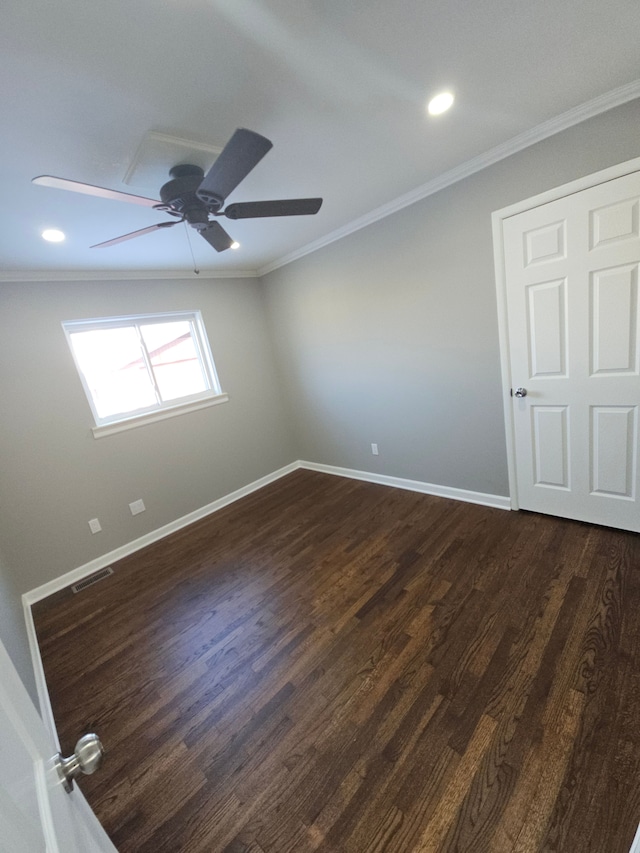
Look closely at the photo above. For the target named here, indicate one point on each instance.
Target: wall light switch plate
(94, 525)
(374, 449)
(137, 507)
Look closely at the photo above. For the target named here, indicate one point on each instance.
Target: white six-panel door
(571, 286)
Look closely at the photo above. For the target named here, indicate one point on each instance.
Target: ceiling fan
(193, 197)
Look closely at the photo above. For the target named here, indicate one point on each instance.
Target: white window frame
(161, 410)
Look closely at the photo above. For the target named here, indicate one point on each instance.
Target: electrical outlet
(94, 525)
(374, 449)
(137, 507)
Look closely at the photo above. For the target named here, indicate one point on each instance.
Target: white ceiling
(339, 87)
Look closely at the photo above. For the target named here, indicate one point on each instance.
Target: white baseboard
(496, 501)
(29, 598)
(75, 575)
(81, 572)
(89, 568)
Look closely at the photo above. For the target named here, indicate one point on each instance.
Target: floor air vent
(94, 578)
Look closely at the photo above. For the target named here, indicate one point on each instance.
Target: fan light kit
(52, 235)
(193, 197)
(440, 103)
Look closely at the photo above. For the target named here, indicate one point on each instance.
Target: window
(143, 368)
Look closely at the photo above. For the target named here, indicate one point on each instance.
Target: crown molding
(570, 118)
(119, 275)
(564, 121)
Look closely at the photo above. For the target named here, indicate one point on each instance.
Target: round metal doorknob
(85, 760)
(520, 392)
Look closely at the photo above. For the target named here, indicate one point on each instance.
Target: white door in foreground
(36, 813)
(571, 269)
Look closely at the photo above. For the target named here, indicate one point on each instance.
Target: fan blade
(90, 189)
(133, 234)
(283, 207)
(242, 152)
(216, 236)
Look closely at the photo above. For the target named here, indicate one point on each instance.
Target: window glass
(175, 359)
(114, 371)
(133, 365)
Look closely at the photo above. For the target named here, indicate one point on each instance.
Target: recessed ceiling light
(235, 245)
(53, 235)
(440, 103)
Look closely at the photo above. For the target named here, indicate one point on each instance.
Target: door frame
(48, 720)
(497, 218)
(44, 700)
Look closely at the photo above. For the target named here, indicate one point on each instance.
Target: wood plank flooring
(330, 665)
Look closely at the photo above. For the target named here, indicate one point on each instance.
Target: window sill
(160, 415)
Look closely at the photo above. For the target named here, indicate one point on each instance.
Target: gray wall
(56, 476)
(390, 335)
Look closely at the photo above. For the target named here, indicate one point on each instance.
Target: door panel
(571, 269)
(613, 223)
(547, 328)
(614, 320)
(36, 814)
(614, 458)
(551, 446)
(545, 244)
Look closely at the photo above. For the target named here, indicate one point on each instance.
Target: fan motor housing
(180, 195)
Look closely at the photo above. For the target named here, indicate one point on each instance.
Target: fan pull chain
(193, 257)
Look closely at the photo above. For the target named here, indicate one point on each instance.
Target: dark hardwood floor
(338, 666)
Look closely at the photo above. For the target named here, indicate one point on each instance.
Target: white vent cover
(158, 152)
(94, 578)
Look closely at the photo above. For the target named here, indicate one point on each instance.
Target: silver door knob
(85, 760)
(520, 392)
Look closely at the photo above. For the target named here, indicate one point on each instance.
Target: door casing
(498, 218)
